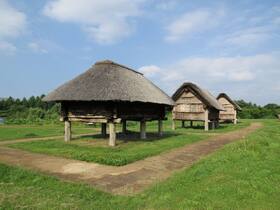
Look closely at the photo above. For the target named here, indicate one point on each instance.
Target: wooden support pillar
(143, 129)
(67, 131)
(173, 124)
(183, 123)
(217, 124)
(112, 134)
(235, 117)
(160, 130)
(124, 126)
(103, 129)
(206, 120)
(191, 123)
(213, 125)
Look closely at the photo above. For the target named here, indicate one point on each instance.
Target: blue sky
(223, 46)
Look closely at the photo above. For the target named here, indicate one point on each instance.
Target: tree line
(254, 111)
(33, 110)
(28, 110)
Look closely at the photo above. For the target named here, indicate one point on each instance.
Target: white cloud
(7, 48)
(150, 70)
(12, 21)
(236, 68)
(247, 77)
(104, 21)
(250, 36)
(36, 47)
(193, 22)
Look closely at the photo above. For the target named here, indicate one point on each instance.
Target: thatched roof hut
(109, 92)
(193, 103)
(230, 108)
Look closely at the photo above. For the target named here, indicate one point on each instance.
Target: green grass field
(242, 175)
(95, 149)
(10, 132)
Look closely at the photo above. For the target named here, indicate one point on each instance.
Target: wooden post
(191, 123)
(124, 126)
(235, 117)
(217, 124)
(206, 124)
(103, 129)
(173, 125)
(213, 125)
(67, 130)
(112, 134)
(143, 129)
(160, 133)
(183, 123)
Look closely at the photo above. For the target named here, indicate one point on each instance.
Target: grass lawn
(10, 132)
(243, 175)
(95, 149)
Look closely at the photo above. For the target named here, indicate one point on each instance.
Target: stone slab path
(128, 179)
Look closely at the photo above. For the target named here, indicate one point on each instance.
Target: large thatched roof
(205, 96)
(109, 81)
(223, 95)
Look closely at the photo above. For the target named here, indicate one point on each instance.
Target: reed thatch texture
(109, 81)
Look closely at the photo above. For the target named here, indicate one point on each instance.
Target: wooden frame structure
(195, 104)
(230, 108)
(110, 93)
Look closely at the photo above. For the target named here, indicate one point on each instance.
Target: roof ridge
(107, 61)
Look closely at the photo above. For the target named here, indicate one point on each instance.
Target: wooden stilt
(143, 129)
(160, 132)
(103, 129)
(173, 125)
(213, 125)
(235, 117)
(191, 123)
(124, 126)
(183, 123)
(206, 121)
(112, 133)
(67, 131)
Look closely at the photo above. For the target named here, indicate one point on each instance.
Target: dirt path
(128, 179)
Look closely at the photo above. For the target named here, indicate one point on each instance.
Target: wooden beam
(103, 129)
(67, 131)
(206, 120)
(124, 126)
(112, 134)
(160, 128)
(191, 123)
(143, 129)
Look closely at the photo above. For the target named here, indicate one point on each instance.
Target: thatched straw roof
(205, 96)
(109, 81)
(230, 100)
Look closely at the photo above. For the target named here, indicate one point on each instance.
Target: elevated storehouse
(195, 104)
(110, 93)
(230, 108)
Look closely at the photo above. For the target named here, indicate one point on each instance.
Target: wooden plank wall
(188, 107)
(229, 113)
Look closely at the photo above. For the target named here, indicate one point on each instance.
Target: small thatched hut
(195, 104)
(110, 93)
(230, 108)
